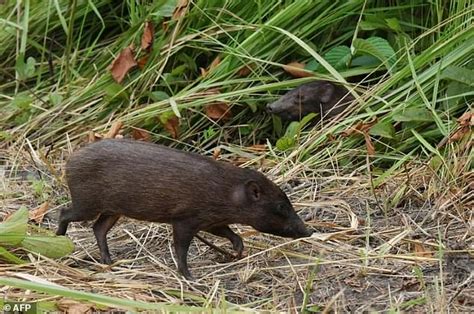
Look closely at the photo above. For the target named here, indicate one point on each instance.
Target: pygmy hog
(322, 97)
(144, 181)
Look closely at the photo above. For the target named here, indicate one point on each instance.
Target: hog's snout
(271, 108)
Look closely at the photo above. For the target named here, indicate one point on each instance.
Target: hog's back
(147, 181)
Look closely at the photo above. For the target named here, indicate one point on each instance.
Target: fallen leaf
(368, 144)
(148, 34)
(37, 214)
(459, 133)
(93, 137)
(216, 153)
(122, 64)
(359, 128)
(114, 130)
(296, 69)
(421, 251)
(212, 66)
(142, 62)
(74, 307)
(246, 70)
(180, 9)
(467, 119)
(172, 126)
(218, 111)
(141, 135)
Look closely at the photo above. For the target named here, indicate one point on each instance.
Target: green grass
(55, 86)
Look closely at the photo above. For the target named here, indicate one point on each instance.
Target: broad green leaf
(459, 74)
(49, 246)
(292, 129)
(167, 9)
(377, 47)
(22, 101)
(338, 57)
(306, 119)
(277, 125)
(9, 257)
(13, 230)
(455, 92)
(413, 114)
(285, 143)
(383, 129)
(312, 65)
(55, 99)
(114, 90)
(159, 96)
(394, 24)
(25, 70)
(365, 61)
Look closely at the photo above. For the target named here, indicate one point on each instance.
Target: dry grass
(369, 253)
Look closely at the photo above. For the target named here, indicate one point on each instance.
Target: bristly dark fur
(113, 178)
(322, 97)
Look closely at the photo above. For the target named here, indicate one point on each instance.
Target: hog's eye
(281, 210)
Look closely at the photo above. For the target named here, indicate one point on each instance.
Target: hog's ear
(253, 191)
(326, 92)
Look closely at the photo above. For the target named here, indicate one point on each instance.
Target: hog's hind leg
(101, 227)
(69, 214)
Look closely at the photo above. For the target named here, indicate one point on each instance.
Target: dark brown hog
(322, 97)
(113, 178)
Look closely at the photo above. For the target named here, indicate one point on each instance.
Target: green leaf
(114, 90)
(167, 9)
(174, 107)
(365, 61)
(165, 116)
(277, 125)
(285, 143)
(413, 114)
(49, 246)
(394, 24)
(377, 47)
(55, 99)
(292, 129)
(13, 230)
(22, 101)
(455, 92)
(338, 57)
(306, 119)
(312, 65)
(383, 129)
(159, 96)
(458, 74)
(9, 257)
(25, 70)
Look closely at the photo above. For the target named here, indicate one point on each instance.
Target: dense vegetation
(408, 63)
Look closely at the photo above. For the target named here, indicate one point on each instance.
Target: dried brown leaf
(219, 111)
(37, 214)
(421, 251)
(459, 134)
(212, 66)
(122, 64)
(180, 9)
(148, 35)
(74, 307)
(141, 135)
(172, 126)
(467, 119)
(93, 137)
(216, 153)
(368, 144)
(296, 69)
(114, 130)
(142, 62)
(246, 70)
